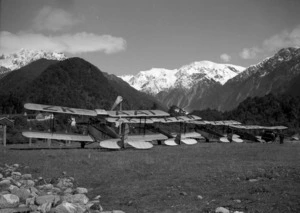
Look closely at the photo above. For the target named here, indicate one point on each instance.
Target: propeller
(117, 102)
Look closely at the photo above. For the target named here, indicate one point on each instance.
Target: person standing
(281, 137)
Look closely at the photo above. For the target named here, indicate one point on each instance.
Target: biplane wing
(110, 144)
(188, 141)
(147, 137)
(170, 142)
(137, 113)
(151, 119)
(140, 144)
(60, 109)
(58, 136)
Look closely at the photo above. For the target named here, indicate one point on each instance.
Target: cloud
(53, 19)
(225, 57)
(78, 43)
(250, 53)
(281, 40)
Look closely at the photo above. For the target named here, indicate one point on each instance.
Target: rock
(97, 197)
(30, 201)
(64, 183)
(1, 176)
(81, 190)
(237, 212)
(68, 191)
(96, 206)
(221, 210)
(16, 165)
(33, 207)
(66, 207)
(9, 201)
(183, 193)
(237, 201)
(253, 180)
(27, 177)
(56, 190)
(46, 187)
(4, 184)
(27, 183)
(22, 193)
(77, 198)
(47, 199)
(199, 197)
(22, 206)
(12, 188)
(7, 210)
(16, 174)
(46, 207)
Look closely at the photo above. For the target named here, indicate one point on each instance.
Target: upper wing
(153, 119)
(138, 113)
(60, 109)
(58, 136)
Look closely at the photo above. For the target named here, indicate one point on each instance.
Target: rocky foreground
(22, 193)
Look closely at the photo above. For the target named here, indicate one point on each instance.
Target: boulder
(66, 207)
(27, 183)
(7, 210)
(9, 201)
(22, 193)
(46, 207)
(81, 190)
(40, 200)
(96, 206)
(27, 177)
(64, 183)
(77, 198)
(222, 210)
(4, 184)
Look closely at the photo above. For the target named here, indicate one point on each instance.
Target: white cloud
(249, 53)
(77, 43)
(281, 40)
(53, 19)
(225, 57)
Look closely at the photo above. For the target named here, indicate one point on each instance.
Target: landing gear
(82, 145)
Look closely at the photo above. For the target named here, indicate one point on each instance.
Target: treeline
(267, 110)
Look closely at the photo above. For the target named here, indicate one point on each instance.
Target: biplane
(168, 138)
(122, 120)
(268, 132)
(210, 130)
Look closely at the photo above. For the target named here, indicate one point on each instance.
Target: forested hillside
(73, 82)
(267, 110)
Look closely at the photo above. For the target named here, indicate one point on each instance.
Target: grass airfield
(249, 177)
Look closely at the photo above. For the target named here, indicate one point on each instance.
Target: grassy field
(248, 177)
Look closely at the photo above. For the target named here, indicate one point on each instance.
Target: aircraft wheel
(82, 145)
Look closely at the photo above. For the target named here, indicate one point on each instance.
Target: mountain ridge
(72, 82)
(156, 80)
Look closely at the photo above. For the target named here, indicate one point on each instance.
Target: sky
(127, 36)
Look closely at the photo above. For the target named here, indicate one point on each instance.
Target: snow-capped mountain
(273, 75)
(157, 80)
(152, 81)
(23, 57)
